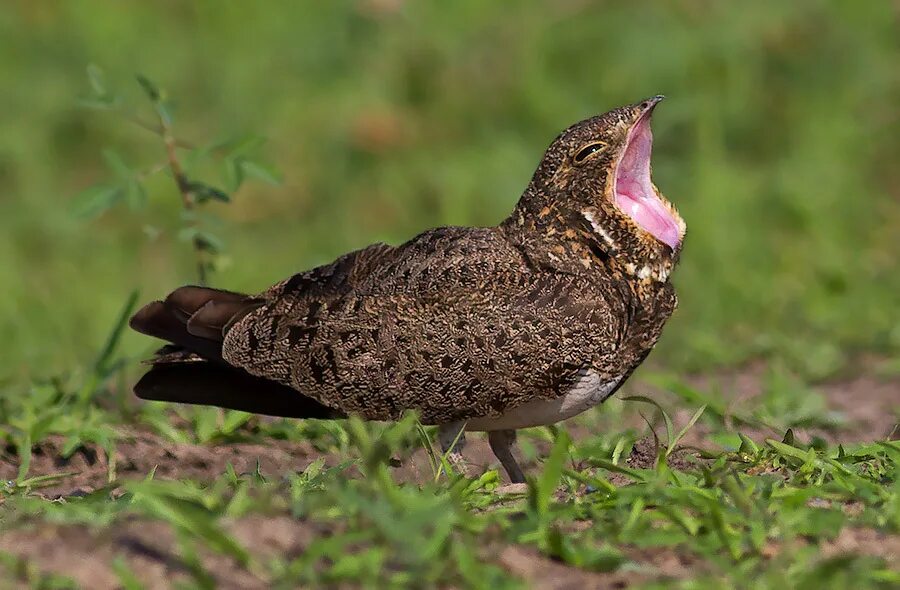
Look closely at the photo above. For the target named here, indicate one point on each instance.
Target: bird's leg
(502, 442)
(452, 438)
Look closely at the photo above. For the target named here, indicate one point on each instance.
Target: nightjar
(526, 323)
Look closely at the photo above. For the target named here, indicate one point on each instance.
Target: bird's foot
(502, 443)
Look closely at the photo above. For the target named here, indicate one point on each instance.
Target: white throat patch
(598, 229)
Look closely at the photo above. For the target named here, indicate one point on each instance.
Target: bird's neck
(571, 240)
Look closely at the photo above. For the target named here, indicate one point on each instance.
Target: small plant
(61, 408)
(237, 158)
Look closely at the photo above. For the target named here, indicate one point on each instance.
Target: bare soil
(870, 405)
(140, 452)
(150, 549)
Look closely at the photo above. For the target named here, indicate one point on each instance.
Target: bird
(477, 329)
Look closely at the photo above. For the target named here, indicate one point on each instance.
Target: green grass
(778, 143)
(746, 516)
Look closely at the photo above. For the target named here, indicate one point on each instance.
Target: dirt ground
(869, 404)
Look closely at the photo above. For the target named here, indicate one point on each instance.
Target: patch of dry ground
(150, 550)
(139, 452)
(650, 564)
(868, 405)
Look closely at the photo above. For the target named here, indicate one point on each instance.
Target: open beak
(634, 191)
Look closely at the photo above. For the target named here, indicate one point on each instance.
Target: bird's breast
(588, 390)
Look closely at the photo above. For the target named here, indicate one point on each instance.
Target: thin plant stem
(188, 200)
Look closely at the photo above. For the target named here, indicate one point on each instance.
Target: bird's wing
(452, 324)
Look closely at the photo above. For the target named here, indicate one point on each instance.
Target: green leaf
(202, 239)
(619, 449)
(149, 88)
(233, 420)
(726, 533)
(101, 98)
(429, 449)
(23, 449)
(100, 103)
(96, 200)
(162, 109)
(634, 514)
(609, 466)
(682, 518)
(595, 481)
(205, 423)
(158, 98)
(190, 558)
(260, 171)
(97, 79)
(208, 242)
(232, 174)
(204, 192)
(684, 430)
(127, 578)
(821, 522)
(44, 480)
(135, 194)
(788, 437)
(747, 445)
(240, 145)
(542, 489)
(117, 165)
(162, 425)
(788, 450)
(646, 400)
(739, 495)
(158, 500)
(102, 364)
(892, 448)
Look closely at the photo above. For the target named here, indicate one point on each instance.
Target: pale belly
(588, 391)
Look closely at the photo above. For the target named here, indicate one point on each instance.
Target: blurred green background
(779, 142)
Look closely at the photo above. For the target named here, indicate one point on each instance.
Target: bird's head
(592, 197)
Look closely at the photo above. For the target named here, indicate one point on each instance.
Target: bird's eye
(589, 150)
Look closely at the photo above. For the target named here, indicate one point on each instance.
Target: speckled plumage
(459, 323)
(455, 324)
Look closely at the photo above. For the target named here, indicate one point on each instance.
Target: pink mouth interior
(634, 192)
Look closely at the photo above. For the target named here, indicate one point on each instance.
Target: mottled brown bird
(490, 329)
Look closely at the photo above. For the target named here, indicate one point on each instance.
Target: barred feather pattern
(455, 324)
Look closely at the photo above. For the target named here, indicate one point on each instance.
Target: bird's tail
(191, 369)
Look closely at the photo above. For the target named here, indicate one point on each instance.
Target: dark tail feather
(190, 298)
(216, 317)
(195, 320)
(204, 383)
(159, 320)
